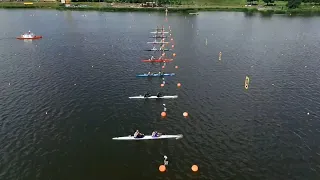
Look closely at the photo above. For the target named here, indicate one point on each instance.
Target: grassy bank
(186, 6)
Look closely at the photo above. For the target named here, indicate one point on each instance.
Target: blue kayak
(155, 75)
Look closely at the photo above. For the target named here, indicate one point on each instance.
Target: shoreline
(106, 7)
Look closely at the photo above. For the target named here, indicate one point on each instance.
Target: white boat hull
(159, 32)
(148, 137)
(153, 97)
(158, 42)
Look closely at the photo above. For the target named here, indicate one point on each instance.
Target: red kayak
(35, 37)
(158, 60)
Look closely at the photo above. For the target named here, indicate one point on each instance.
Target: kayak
(158, 36)
(148, 137)
(35, 37)
(158, 49)
(156, 42)
(157, 60)
(158, 32)
(155, 75)
(153, 97)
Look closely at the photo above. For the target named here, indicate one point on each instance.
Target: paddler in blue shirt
(155, 134)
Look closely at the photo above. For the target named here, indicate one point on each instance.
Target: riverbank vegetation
(250, 6)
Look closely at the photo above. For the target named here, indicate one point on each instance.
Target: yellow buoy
(246, 82)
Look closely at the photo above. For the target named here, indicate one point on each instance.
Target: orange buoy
(161, 85)
(174, 54)
(162, 168)
(163, 114)
(176, 67)
(172, 46)
(185, 114)
(194, 168)
(179, 85)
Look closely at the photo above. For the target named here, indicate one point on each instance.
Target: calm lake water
(64, 97)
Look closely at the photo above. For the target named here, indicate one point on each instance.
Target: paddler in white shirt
(137, 134)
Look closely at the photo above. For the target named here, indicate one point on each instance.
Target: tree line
(291, 3)
(159, 2)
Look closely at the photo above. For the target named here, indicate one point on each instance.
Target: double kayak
(158, 42)
(155, 75)
(158, 49)
(157, 60)
(159, 32)
(148, 137)
(158, 36)
(154, 97)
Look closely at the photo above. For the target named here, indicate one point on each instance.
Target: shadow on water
(266, 14)
(249, 14)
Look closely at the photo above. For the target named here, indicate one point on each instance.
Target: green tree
(292, 4)
(268, 1)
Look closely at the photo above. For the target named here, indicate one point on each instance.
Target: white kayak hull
(148, 137)
(153, 97)
(158, 42)
(159, 32)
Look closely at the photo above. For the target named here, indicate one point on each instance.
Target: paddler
(137, 134)
(147, 95)
(155, 134)
(165, 161)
